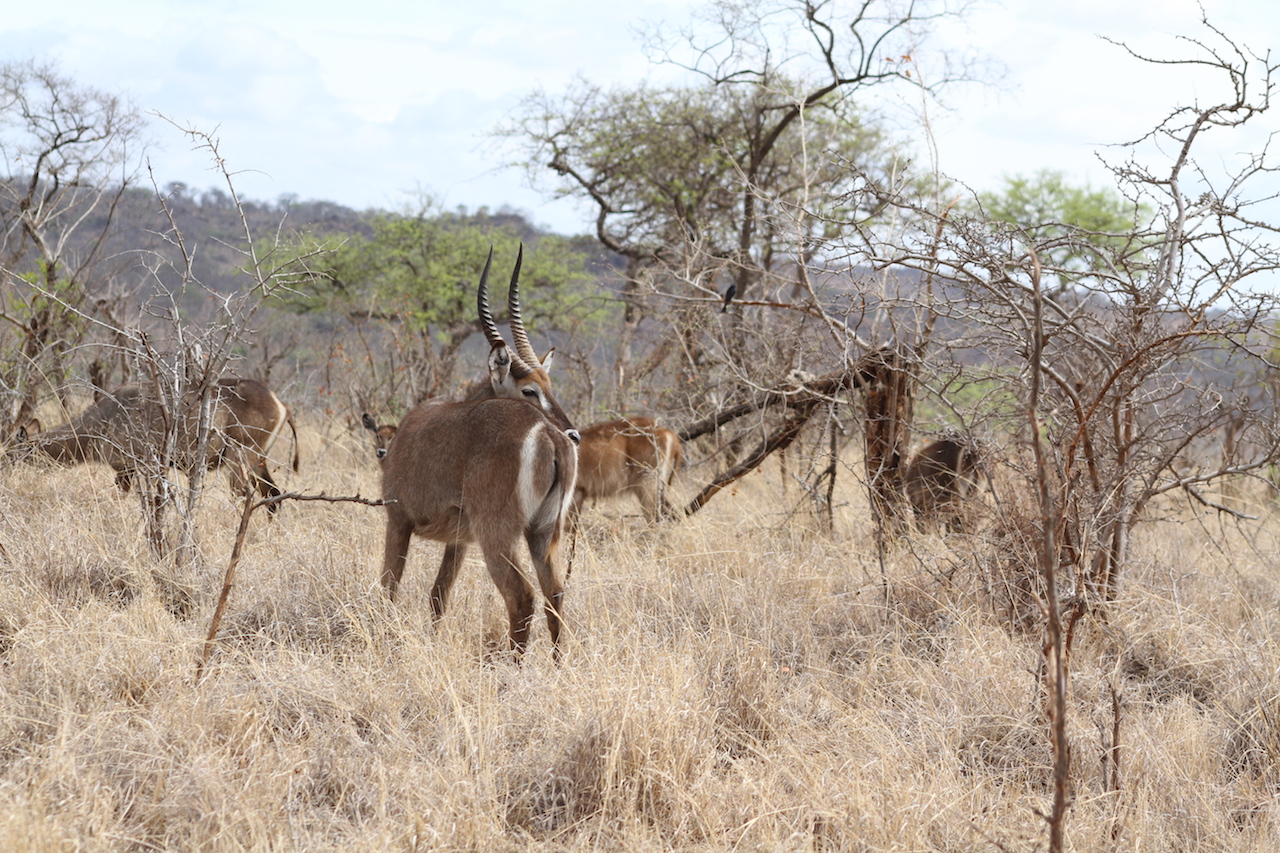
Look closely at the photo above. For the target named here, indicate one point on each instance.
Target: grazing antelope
(126, 428)
(940, 476)
(631, 456)
(491, 471)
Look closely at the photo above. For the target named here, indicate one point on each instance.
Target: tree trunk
(622, 355)
(890, 405)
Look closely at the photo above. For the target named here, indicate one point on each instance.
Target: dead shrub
(1155, 669)
(1009, 568)
(1253, 747)
(1013, 751)
(88, 578)
(599, 772)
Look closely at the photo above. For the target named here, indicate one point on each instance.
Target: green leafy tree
(1078, 226)
(407, 288)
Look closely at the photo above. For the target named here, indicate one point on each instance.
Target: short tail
(293, 428)
(675, 458)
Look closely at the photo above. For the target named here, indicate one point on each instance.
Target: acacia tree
(1091, 216)
(407, 289)
(1115, 343)
(715, 191)
(69, 154)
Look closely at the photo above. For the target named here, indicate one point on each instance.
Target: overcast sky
(363, 103)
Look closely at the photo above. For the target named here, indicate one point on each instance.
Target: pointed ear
(369, 423)
(499, 364)
(21, 434)
(546, 359)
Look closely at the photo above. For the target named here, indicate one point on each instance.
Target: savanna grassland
(737, 682)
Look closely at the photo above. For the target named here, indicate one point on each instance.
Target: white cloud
(359, 103)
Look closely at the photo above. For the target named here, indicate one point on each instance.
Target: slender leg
(454, 553)
(516, 592)
(399, 532)
(544, 548)
(267, 485)
(647, 492)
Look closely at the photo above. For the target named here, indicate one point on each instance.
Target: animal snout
(381, 452)
(574, 436)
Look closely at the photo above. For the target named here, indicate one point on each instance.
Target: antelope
(490, 470)
(631, 456)
(626, 456)
(940, 476)
(382, 436)
(126, 428)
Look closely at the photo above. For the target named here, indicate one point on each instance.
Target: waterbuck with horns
(491, 470)
(127, 428)
(627, 456)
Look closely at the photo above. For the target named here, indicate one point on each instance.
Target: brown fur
(628, 456)
(938, 480)
(126, 429)
(453, 473)
(382, 436)
(488, 471)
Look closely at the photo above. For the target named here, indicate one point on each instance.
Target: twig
(1195, 493)
(801, 395)
(779, 440)
(228, 577)
(1055, 648)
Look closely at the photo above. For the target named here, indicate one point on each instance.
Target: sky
(368, 104)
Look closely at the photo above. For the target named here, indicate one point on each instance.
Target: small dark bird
(728, 297)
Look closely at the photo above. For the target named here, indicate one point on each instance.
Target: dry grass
(737, 682)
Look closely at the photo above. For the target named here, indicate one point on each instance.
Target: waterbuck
(489, 471)
(126, 429)
(939, 478)
(631, 456)
(382, 435)
(627, 456)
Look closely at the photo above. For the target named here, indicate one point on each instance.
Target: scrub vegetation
(738, 681)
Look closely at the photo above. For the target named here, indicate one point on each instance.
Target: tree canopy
(720, 190)
(415, 273)
(68, 153)
(1079, 225)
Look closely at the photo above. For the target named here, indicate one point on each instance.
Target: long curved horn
(491, 333)
(518, 336)
(482, 305)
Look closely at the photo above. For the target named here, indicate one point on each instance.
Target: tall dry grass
(736, 682)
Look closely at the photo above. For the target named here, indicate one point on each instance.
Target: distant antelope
(631, 456)
(490, 471)
(382, 435)
(126, 429)
(940, 476)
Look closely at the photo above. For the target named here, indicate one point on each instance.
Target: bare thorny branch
(251, 504)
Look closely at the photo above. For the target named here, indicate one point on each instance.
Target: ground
(740, 681)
